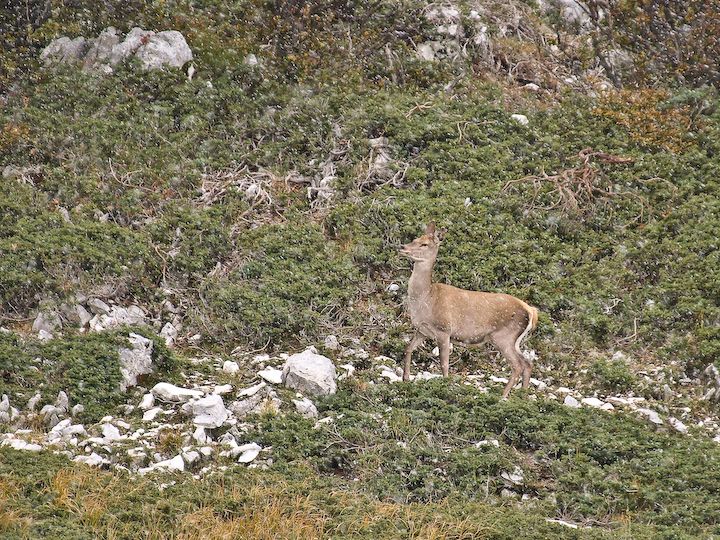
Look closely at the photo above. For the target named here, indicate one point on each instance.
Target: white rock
(393, 287)
(206, 451)
(191, 457)
(248, 452)
(94, 460)
(111, 433)
(223, 389)
(77, 409)
(44, 335)
(306, 408)
(592, 402)
(209, 412)
(175, 464)
(651, 415)
(169, 333)
(390, 375)
(331, 342)
(678, 425)
(426, 51)
(531, 87)
(136, 360)
(520, 119)
(147, 402)
(200, 436)
(49, 321)
(426, 376)
(516, 477)
(64, 50)
(19, 444)
(501, 380)
(561, 522)
(150, 414)
(251, 391)
(174, 394)
(164, 48)
(98, 307)
(310, 373)
(230, 367)
(571, 402)
(349, 371)
(33, 401)
(488, 442)
(272, 375)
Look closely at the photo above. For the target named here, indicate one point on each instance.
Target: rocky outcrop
(101, 54)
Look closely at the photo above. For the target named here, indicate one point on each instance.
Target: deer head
(424, 248)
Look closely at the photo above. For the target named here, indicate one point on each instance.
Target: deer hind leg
(517, 362)
(527, 370)
(415, 342)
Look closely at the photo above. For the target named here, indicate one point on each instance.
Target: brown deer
(443, 312)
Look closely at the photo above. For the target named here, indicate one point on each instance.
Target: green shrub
(611, 376)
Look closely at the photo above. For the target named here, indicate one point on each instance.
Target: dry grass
(10, 520)
(83, 492)
(267, 512)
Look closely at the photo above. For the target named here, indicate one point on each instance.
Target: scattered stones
(169, 333)
(488, 442)
(516, 477)
(47, 323)
(209, 412)
(561, 522)
(251, 391)
(93, 460)
(98, 307)
(678, 425)
(174, 394)
(571, 402)
(111, 433)
(651, 415)
(592, 402)
(306, 408)
(19, 444)
(520, 119)
(175, 464)
(310, 373)
(147, 402)
(230, 367)
(136, 360)
(331, 343)
(272, 375)
(151, 414)
(247, 452)
(33, 401)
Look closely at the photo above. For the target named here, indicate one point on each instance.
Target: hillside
(198, 222)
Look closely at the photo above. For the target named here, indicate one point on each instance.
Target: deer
(443, 313)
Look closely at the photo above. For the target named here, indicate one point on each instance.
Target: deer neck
(420, 282)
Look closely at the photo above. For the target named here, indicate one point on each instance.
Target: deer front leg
(444, 346)
(415, 342)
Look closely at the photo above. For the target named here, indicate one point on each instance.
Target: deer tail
(532, 323)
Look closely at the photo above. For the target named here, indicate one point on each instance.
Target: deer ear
(430, 229)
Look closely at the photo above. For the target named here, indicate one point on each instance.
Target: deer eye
(424, 244)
